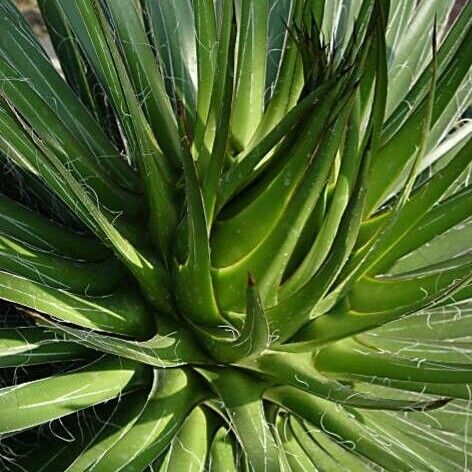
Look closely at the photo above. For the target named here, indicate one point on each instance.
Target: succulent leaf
(235, 236)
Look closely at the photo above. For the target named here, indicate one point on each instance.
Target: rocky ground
(29, 8)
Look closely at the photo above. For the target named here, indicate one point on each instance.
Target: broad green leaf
(211, 162)
(177, 51)
(339, 424)
(30, 346)
(174, 393)
(73, 125)
(171, 347)
(207, 45)
(254, 337)
(122, 313)
(412, 50)
(297, 459)
(189, 448)
(367, 362)
(71, 60)
(86, 278)
(250, 76)
(32, 403)
(41, 161)
(141, 64)
(222, 453)
(242, 399)
(20, 223)
(299, 371)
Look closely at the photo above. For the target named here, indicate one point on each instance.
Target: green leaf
(416, 209)
(211, 161)
(317, 455)
(117, 422)
(366, 363)
(73, 65)
(248, 163)
(86, 278)
(20, 223)
(171, 347)
(430, 456)
(442, 324)
(412, 51)
(304, 300)
(177, 51)
(363, 262)
(174, 393)
(89, 24)
(338, 424)
(254, 337)
(450, 390)
(122, 313)
(48, 95)
(44, 163)
(446, 53)
(404, 142)
(194, 285)
(31, 346)
(381, 294)
(288, 81)
(50, 128)
(341, 322)
(275, 208)
(242, 399)
(189, 448)
(308, 297)
(324, 444)
(297, 459)
(248, 103)
(299, 371)
(399, 18)
(207, 45)
(32, 403)
(350, 164)
(145, 75)
(222, 453)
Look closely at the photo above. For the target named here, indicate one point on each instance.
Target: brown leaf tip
(251, 281)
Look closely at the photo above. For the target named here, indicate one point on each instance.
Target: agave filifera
(238, 234)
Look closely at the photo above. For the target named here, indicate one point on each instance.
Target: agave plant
(234, 234)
